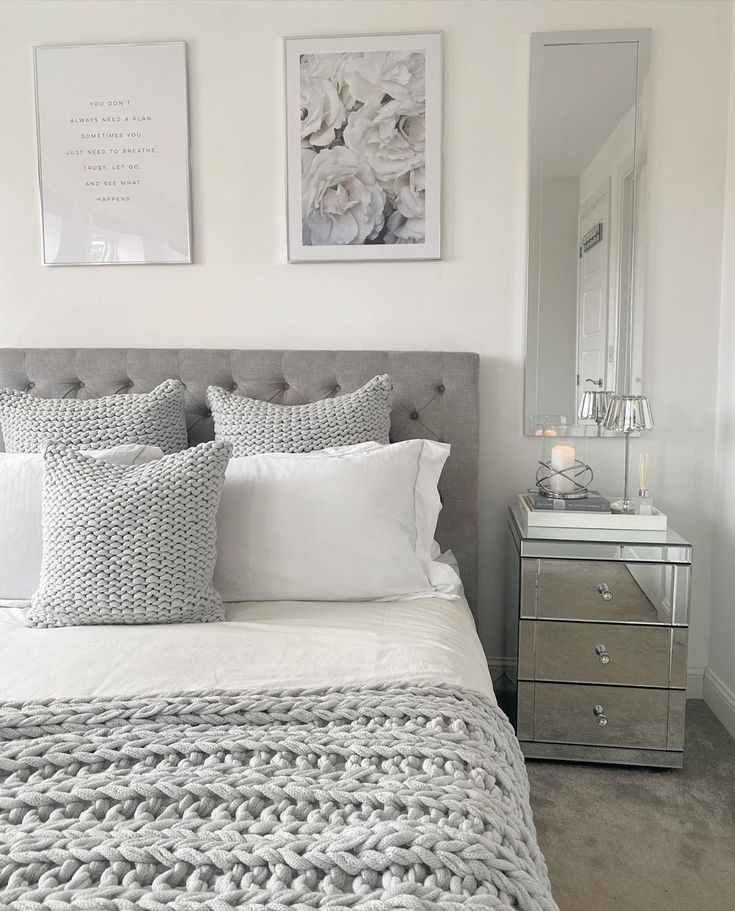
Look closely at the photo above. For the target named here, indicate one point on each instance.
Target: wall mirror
(586, 263)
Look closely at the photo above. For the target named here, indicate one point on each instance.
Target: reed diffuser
(645, 500)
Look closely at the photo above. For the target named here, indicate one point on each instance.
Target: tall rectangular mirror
(586, 262)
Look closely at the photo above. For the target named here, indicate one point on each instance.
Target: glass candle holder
(563, 472)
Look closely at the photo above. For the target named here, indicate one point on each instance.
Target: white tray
(561, 518)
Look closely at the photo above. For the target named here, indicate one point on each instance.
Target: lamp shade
(628, 414)
(593, 406)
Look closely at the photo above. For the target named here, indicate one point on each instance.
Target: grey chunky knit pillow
(255, 427)
(153, 418)
(129, 543)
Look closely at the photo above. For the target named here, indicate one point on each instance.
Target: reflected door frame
(621, 315)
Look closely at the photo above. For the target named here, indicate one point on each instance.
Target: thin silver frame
(187, 134)
(642, 38)
(440, 214)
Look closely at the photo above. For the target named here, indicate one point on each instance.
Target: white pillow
(349, 524)
(21, 486)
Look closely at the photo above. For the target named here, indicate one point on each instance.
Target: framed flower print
(363, 131)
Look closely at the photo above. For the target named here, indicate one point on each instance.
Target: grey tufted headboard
(435, 396)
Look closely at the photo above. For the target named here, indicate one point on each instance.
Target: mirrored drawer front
(595, 653)
(605, 591)
(601, 715)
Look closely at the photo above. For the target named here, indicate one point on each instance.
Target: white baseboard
(720, 698)
(695, 681)
(499, 665)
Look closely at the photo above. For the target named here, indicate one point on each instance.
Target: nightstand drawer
(604, 591)
(600, 715)
(595, 653)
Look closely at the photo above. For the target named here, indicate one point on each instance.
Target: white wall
(241, 292)
(720, 679)
(615, 153)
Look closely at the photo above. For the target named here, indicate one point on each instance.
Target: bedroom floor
(642, 840)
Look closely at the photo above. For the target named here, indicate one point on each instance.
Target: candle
(563, 456)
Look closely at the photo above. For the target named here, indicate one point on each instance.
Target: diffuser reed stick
(643, 475)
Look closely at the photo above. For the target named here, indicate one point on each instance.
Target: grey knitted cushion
(254, 426)
(153, 418)
(129, 543)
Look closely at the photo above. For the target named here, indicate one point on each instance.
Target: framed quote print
(113, 153)
(363, 134)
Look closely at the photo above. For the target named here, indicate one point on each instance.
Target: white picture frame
(364, 129)
(113, 153)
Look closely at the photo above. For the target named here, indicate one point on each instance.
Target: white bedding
(273, 644)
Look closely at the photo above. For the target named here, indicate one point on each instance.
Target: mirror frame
(540, 40)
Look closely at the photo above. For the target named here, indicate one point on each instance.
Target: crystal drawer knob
(602, 654)
(603, 589)
(599, 712)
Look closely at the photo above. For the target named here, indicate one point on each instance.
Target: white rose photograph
(364, 148)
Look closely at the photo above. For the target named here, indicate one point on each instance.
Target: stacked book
(592, 512)
(593, 502)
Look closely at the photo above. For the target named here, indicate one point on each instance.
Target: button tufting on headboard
(435, 396)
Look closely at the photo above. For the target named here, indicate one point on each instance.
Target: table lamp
(627, 414)
(593, 406)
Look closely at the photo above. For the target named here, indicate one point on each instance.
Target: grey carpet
(642, 840)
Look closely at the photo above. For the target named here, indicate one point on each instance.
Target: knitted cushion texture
(254, 426)
(153, 418)
(376, 798)
(129, 544)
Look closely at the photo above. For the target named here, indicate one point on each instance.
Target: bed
(298, 755)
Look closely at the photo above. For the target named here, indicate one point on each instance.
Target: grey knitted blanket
(375, 798)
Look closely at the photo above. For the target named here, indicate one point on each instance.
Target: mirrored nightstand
(598, 624)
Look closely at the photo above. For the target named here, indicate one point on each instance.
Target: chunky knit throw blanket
(374, 798)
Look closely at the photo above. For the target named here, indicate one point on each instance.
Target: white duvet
(261, 644)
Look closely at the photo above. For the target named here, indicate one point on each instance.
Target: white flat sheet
(274, 644)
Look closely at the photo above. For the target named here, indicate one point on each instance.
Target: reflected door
(593, 293)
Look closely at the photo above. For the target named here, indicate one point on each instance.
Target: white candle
(563, 456)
